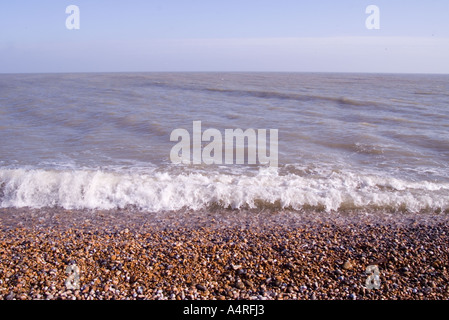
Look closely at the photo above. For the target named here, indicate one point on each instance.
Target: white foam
(153, 191)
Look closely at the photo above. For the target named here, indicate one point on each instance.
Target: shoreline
(221, 255)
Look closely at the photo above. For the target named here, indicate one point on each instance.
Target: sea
(345, 142)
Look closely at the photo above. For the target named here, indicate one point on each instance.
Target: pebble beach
(221, 256)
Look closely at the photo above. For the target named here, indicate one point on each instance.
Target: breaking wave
(165, 191)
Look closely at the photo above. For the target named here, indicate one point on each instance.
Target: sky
(226, 35)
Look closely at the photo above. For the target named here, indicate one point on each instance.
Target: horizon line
(218, 71)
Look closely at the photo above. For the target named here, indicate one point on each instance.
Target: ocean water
(346, 142)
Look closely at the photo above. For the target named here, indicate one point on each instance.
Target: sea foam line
(98, 189)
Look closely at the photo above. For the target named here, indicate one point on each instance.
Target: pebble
(268, 261)
(347, 265)
(239, 285)
(201, 287)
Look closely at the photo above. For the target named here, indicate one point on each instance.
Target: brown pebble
(347, 265)
(239, 285)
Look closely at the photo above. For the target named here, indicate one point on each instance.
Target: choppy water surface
(346, 141)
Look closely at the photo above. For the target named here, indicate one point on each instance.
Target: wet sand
(222, 255)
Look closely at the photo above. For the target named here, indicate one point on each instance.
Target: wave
(263, 94)
(164, 191)
(293, 96)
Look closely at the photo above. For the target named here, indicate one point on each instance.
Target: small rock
(348, 265)
(201, 287)
(239, 285)
(241, 271)
(277, 283)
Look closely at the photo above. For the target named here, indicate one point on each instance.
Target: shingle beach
(221, 256)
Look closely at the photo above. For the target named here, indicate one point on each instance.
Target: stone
(348, 265)
(239, 285)
(201, 287)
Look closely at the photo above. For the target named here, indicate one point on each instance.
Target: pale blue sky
(209, 35)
